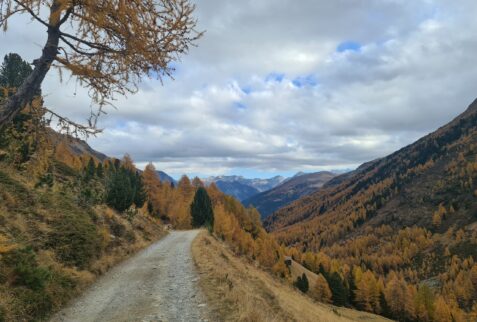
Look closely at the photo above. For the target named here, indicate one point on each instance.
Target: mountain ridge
(241, 187)
(288, 191)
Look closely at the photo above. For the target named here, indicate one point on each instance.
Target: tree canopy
(108, 46)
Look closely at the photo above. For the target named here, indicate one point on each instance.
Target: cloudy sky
(280, 86)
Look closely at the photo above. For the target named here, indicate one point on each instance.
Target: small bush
(2, 314)
(36, 305)
(26, 270)
(117, 228)
(75, 240)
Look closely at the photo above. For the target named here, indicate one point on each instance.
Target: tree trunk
(25, 93)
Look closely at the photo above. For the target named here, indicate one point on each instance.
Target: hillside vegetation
(239, 291)
(56, 233)
(398, 236)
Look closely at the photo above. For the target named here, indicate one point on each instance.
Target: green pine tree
(140, 194)
(120, 193)
(201, 210)
(90, 170)
(302, 283)
(13, 72)
(338, 290)
(100, 170)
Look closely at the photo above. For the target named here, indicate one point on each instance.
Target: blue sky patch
(247, 89)
(275, 77)
(240, 105)
(302, 81)
(348, 46)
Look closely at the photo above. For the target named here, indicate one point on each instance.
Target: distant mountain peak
(243, 188)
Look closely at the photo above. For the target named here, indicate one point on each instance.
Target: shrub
(26, 270)
(75, 240)
(36, 305)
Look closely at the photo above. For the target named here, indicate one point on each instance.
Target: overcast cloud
(279, 86)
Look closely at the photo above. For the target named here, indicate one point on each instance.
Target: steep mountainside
(414, 180)
(242, 188)
(290, 190)
(237, 189)
(409, 215)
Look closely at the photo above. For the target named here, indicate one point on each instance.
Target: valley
(249, 161)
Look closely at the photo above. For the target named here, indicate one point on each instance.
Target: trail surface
(158, 284)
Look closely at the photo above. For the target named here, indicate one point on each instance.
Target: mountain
(164, 177)
(242, 188)
(408, 219)
(237, 189)
(300, 185)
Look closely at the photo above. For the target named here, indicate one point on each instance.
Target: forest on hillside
(399, 236)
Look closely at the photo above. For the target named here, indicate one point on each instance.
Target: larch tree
(108, 46)
(322, 290)
(196, 183)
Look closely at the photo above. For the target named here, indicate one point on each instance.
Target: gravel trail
(158, 284)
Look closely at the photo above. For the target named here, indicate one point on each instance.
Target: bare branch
(70, 127)
(32, 13)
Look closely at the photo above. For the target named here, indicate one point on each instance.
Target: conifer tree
(140, 194)
(120, 193)
(196, 183)
(90, 170)
(338, 290)
(201, 210)
(108, 46)
(13, 72)
(302, 283)
(100, 170)
(322, 290)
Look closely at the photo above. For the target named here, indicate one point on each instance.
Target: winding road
(158, 284)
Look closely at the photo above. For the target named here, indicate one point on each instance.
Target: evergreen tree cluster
(341, 290)
(20, 137)
(124, 189)
(123, 185)
(201, 210)
(302, 284)
(13, 71)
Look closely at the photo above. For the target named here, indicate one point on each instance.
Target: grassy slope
(239, 291)
(52, 247)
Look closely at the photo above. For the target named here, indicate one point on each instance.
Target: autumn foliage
(397, 237)
(108, 46)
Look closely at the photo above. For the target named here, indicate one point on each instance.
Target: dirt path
(158, 284)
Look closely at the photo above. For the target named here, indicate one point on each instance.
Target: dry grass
(239, 291)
